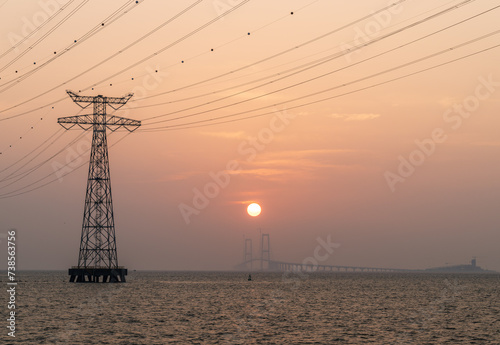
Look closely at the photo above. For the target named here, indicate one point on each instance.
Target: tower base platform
(97, 275)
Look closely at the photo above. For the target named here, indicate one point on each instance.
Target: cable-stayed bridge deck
(281, 266)
(264, 263)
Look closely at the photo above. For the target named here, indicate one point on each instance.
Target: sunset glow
(372, 122)
(140, 142)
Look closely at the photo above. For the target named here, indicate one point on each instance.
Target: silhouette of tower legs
(265, 252)
(248, 253)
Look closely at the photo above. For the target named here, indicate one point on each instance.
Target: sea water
(273, 308)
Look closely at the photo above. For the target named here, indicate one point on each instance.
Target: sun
(254, 209)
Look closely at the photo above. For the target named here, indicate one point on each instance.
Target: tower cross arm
(86, 121)
(83, 121)
(120, 101)
(80, 99)
(117, 122)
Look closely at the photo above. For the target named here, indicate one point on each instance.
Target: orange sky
(402, 174)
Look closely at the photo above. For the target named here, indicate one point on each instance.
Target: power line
(27, 50)
(322, 61)
(157, 52)
(132, 44)
(315, 63)
(225, 44)
(24, 134)
(32, 110)
(109, 20)
(93, 67)
(24, 174)
(28, 154)
(244, 67)
(38, 28)
(28, 172)
(317, 38)
(183, 38)
(195, 124)
(262, 78)
(18, 192)
(201, 82)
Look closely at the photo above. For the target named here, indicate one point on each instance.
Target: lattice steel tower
(97, 257)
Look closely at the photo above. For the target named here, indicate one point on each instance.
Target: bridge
(264, 263)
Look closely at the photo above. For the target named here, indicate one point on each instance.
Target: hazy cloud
(486, 143)
(354, 117)
(226, 135)
(293, 162)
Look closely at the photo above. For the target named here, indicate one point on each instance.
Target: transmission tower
(265, 252)
(97, 257)
(248, 253)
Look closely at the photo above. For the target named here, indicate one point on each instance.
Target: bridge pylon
(265, 252)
